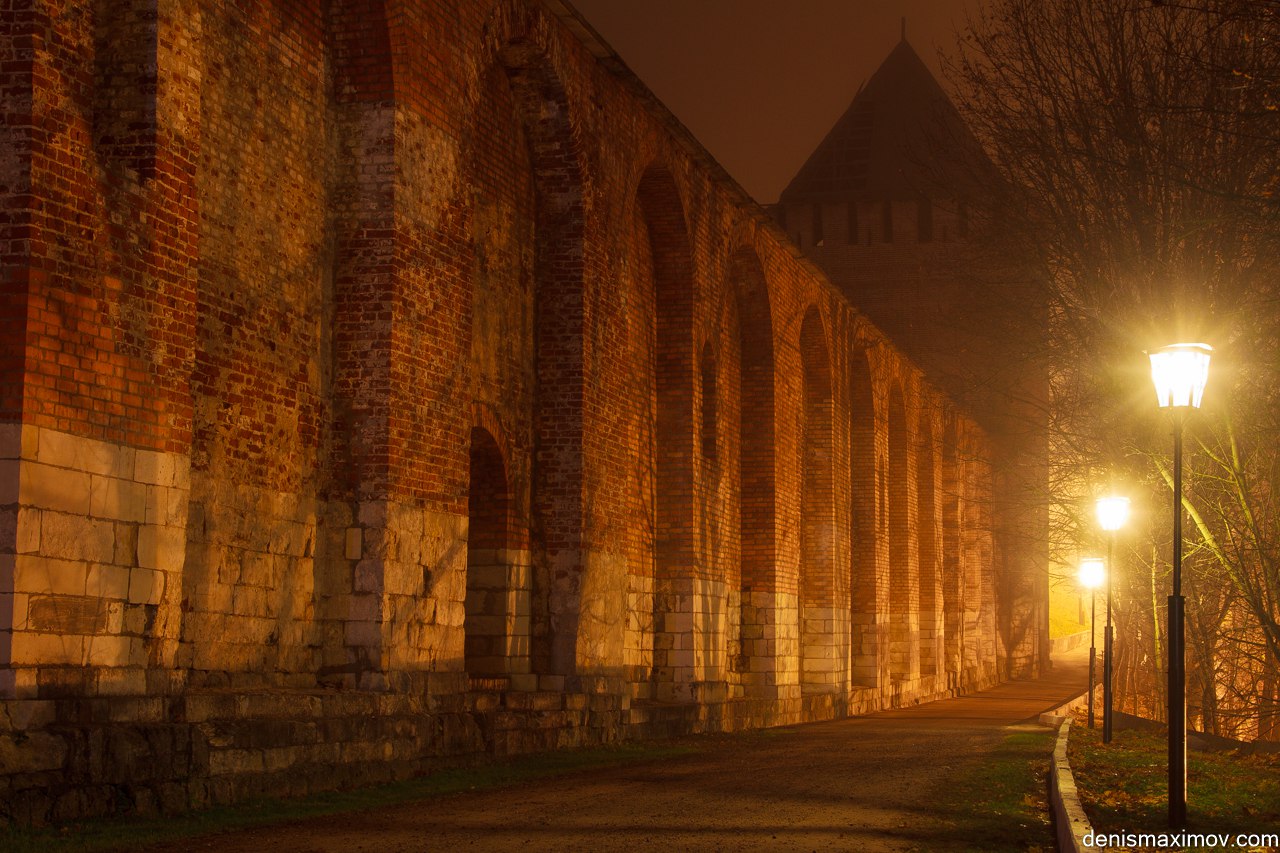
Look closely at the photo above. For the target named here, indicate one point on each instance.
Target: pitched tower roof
(886, 145)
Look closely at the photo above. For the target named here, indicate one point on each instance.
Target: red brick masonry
(389, 383)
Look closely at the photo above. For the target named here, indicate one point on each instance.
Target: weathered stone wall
(391, 383)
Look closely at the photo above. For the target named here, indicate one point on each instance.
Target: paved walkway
(873, 783)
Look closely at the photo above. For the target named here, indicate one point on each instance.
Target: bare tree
(1137, 144)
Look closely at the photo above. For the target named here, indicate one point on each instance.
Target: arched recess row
(821, 660)
(865, 626)
(756, 656)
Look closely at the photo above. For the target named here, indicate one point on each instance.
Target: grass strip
(1001, 803)
(1124, 785)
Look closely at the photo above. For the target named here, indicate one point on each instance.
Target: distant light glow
(1180, 372)
(1092, 573)
(1113, 512)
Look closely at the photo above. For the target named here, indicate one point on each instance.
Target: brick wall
(414, 350)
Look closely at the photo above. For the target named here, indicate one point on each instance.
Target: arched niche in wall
(715, 591)
(975, 542)
(864, 626)
(952, 568)
(665, 242)
(709, 411)
(496, 618)
(556, 505)
(501, 379)
(899, 530)
(757, 484)
(819, 662)
(927, 544)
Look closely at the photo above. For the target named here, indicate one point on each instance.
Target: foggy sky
(760, 82)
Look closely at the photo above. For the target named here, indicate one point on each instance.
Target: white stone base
(90, 597)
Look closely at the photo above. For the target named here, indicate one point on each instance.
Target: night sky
(760, 82)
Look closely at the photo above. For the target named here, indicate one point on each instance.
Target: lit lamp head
(1180, 372)
(1113, 512)
(1092, 573)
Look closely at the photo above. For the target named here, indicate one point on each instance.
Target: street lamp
(1179, 372)
(1091, 574)
(1113, 512)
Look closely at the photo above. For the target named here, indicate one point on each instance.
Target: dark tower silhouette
(889, 205)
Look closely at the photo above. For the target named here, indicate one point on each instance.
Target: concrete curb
(1069, 818)
(1070, 822)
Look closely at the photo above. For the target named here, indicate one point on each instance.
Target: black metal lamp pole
(1093, 649)
(1177, 651)
(1113, 512)
(1106, 646)
(1180, 372)
(1091, 571)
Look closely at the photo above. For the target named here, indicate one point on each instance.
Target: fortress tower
(890, 207)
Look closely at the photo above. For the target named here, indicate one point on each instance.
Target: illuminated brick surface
(386, 384)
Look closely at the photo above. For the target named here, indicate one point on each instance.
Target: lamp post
(1179, 372)
(1113, 512)
(1091, 573)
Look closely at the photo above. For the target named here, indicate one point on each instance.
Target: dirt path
(867, 784)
